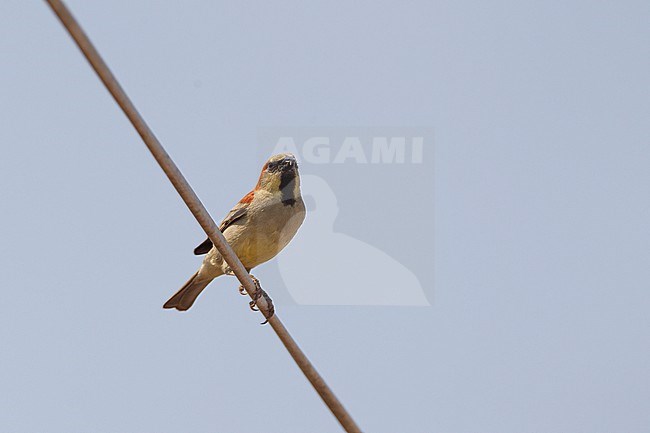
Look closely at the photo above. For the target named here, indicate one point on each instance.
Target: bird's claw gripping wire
(242, 289)
(259, 293)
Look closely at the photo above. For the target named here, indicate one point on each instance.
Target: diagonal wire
(198, 210)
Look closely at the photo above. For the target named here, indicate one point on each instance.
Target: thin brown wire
(198, 210)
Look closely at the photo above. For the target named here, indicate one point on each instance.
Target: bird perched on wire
(257, 228)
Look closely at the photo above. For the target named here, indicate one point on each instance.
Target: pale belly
(265, 234)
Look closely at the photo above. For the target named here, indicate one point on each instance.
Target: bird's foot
(242, 289)
(260, 293)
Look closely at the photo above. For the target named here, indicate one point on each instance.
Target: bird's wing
(238, 212)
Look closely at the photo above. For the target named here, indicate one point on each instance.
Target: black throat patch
(287, 185)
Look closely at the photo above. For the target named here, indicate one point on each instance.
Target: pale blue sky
(539, 276)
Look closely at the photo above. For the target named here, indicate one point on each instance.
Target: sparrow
(257, 228)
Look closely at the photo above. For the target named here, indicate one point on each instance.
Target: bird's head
(280, 175)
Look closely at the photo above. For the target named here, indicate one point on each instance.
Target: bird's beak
(289, 163)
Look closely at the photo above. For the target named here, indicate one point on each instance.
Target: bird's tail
(185, 297)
